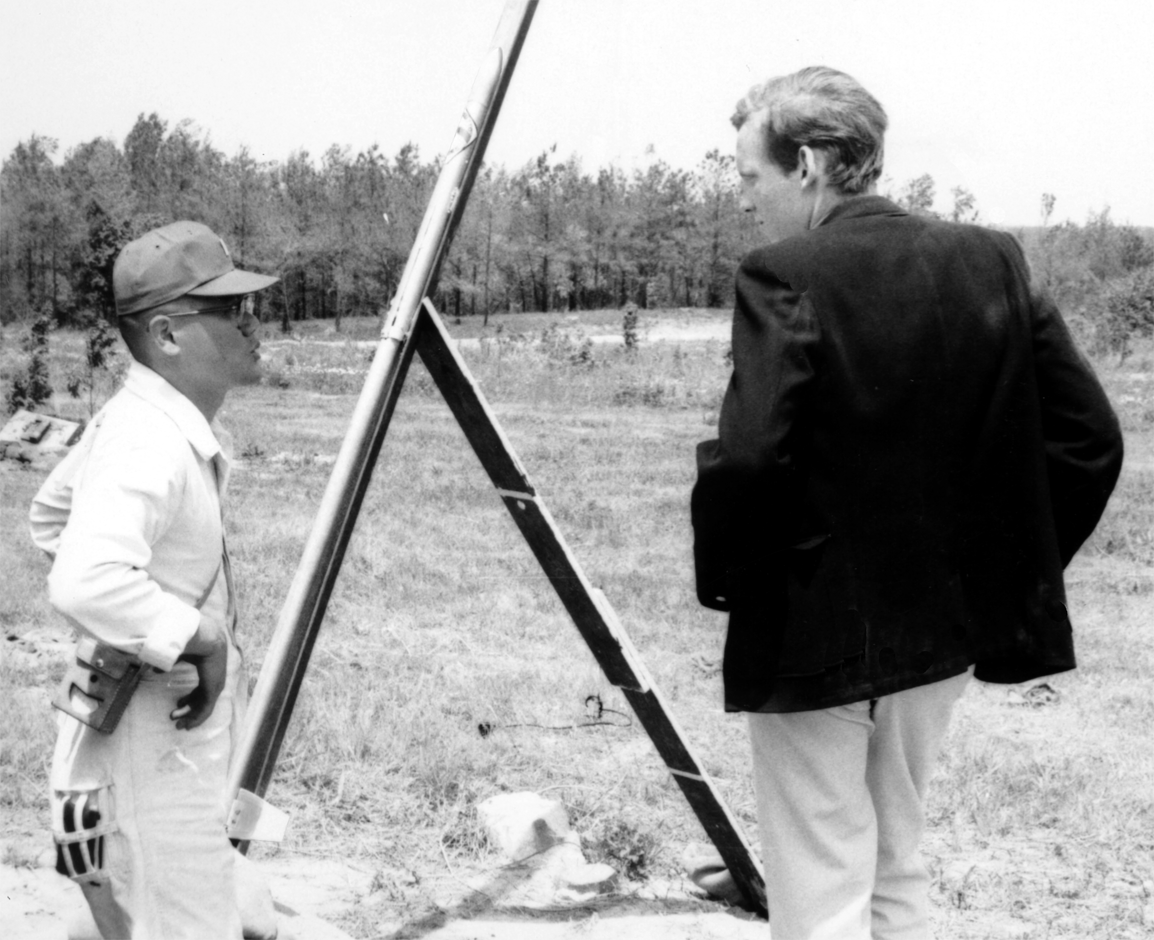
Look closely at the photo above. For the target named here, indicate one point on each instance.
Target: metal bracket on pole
(413, 325)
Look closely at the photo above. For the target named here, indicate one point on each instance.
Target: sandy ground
(38, 904)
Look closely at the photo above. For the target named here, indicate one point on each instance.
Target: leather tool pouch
(97, 688)
(99, 685)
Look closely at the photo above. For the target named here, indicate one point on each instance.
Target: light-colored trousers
(840, 810)
(170, 864)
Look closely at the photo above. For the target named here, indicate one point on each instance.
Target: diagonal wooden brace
(591, 611)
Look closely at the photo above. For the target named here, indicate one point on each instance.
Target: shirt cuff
(164, 644)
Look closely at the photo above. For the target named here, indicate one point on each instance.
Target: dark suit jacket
(910, 451)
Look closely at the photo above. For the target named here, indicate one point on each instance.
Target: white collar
(156, 390)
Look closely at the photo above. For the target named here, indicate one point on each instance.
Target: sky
(1007, 98)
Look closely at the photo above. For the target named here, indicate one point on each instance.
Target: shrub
(627, 847)
(629, 327)
(1127, 312)
(99, 358)
(32, 388)
(567, 345)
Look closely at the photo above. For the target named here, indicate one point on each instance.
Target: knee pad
(80, 821)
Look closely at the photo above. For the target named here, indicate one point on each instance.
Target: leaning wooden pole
(304, 609)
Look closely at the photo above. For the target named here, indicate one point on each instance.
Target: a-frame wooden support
(591, 611)
(413, 325)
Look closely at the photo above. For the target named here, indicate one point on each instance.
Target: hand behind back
(210, 659)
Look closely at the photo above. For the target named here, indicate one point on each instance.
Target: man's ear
(160, 336)
(811, 164)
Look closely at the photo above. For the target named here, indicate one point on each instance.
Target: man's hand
(210, 657)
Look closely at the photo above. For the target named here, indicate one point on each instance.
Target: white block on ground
(523, 824)
(547, 867)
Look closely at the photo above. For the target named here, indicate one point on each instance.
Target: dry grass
(448, 671)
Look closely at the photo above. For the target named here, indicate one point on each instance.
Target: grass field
(448, 671)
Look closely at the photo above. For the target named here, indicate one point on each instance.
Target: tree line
(546, 236)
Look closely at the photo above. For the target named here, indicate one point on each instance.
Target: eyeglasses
(238, 310)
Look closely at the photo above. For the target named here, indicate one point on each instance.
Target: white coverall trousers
(170, 866)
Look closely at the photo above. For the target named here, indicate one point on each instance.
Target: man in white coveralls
(133, 520)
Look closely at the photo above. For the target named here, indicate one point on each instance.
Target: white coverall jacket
(133, 519)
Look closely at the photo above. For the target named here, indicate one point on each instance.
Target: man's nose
(249, 323)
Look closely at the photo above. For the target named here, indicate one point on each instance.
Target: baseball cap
(178, 260)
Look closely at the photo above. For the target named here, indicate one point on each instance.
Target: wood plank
(574, 589)
(719, 823)
(463, 396)
(590, 610)
(495, 452)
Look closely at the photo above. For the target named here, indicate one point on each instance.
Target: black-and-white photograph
(577, 470)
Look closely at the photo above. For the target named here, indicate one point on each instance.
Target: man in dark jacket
(910, 451)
